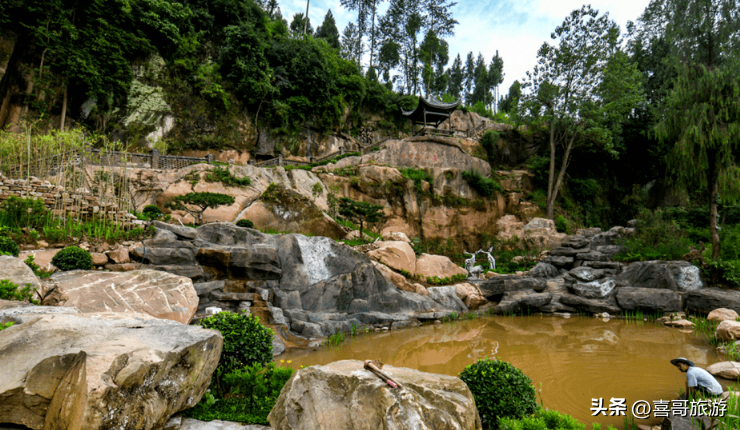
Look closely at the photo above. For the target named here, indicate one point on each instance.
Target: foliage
(488, 141)
(251, 393)
(561, 224)
(203, 201)
(224, 176)
(37, 270)
(72, 258)
(582, 89)
(152, 211)
(418, 176)
(500, 390)
(8, 324)
(10, 291)
(436, 280)
(724, 271)
(245, 223)
(9, 246)
(542, 420)
(246, 342)
(657, 237)
(360, 212)
(486, 187)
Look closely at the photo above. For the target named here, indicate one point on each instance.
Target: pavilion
(430, 112)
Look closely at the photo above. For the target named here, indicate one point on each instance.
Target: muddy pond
(573, 360)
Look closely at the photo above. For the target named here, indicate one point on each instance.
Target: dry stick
(373, 368)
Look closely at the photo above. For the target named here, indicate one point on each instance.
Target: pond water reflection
(574, 360)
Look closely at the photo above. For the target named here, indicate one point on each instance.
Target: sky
(516, 28)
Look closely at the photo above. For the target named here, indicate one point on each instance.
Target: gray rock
(670, 275)
(576, 241)
(709, 299)
(186, 233)
(649, 298)
(569, 252)
(586, 274)
(306, 328)
(543, 270)
(193, 424)
(594, 289)
(276, 316)
(278, 346)
(164, 256)
(593, 256)
(191, 271)
(501, 284)
(610, 250)
(522, 300)
(204, 288)
(610, 265)
(447, 297)
(560, 261)
(288, 299)
(591, 305)
(296, 314)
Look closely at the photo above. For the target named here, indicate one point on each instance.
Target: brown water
(573, 360)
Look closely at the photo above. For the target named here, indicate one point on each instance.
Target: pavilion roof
(436, 111)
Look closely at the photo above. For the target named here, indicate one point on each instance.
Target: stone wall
(58, 200)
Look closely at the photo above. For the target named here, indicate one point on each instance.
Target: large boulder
(344, 396)
(102, 371)
(495, 286)
(428, 265)
(725, 369)
(397, 255)
(708, 299)
(524, 301)
(428, 152)
(399, 280)
(670, 275)
(722, 314)
(728, 331)
(17, 272)
(649, 298)
(541, 233)
(159, 294)
(471, 295)
(594, 289)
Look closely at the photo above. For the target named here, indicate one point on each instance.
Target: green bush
(657, 237)
(486, 187)
(10, 291)
(246, 341)
(245, 223)
(9, 246)
(562, 225)
(724, 271)
(542, 420)
(252, 393)
(224, 176)
(152, 211)
(500, 390)
(72, 258)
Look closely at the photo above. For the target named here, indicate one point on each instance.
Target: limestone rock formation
(722, 314)
(343, 395)
(17, 272)
(101, 370)
(437, 265)
(397, 255)
(159, 294)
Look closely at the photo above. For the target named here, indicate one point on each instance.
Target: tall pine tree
(328, 31)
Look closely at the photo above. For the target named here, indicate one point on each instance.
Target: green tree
(469, 80)
(201, 201)
(328, 31)
(360, 212)
(300, 26)
(701, 114)
(351, 44)
(495, 78)
(456, 79)
(511, 101)
(581, 89)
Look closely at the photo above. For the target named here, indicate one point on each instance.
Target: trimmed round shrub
(245, 223)
(72, 258)
(9, 246)
(152, 211)
(246, 341)
(500, 390)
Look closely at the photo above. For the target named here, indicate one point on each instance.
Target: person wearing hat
(697, 379)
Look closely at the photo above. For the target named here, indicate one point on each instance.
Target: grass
(450, 317)
(336, 339)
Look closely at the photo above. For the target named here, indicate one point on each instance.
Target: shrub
(727, 271)
(542, 420)
(10, 291)
(500, 390)
(657, 237)
(253, 391)
(246, 341)
(152, 211)
(224, 176)
(562, 225)
(245, 223)
(486, 187)
(72, 258)
(9, 246)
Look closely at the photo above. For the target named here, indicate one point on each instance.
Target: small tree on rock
(201, 200)
(360, 212)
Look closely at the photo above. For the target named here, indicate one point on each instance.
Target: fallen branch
(370, 365)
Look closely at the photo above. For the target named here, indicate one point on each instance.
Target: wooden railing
(474, 132)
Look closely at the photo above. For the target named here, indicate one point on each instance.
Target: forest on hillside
(647, 117)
